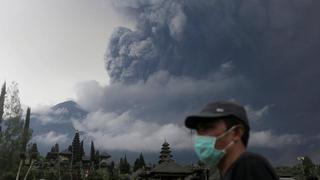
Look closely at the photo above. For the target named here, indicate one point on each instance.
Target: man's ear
(238, 133)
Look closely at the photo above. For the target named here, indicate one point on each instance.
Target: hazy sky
(48, 46)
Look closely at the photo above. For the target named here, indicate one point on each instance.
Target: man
(222, 137)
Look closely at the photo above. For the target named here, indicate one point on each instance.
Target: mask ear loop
(229, 130)
(228, 146)
(232, 142)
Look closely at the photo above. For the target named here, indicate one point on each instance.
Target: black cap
(215, 110)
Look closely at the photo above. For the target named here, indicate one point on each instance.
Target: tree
(142, 163)
(111, 168)
(82, 153)
(124, 166)
(15, 134)
(308, 166)
(33, 154)
(25, 136)
(92, 152)
(12, 105)
(11, 145)
(97, 157)
(2, 99)
(139, 163)
(26, 133)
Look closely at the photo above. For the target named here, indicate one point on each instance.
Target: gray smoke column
(273, 44)
(189, 38)
(181, 54)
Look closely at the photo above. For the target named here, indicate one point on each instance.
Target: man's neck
(232, 155)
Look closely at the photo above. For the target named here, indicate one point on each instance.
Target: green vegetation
(304, 169)
(139, 163)
(124, 166)
(14, 134)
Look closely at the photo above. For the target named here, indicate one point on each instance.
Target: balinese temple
(165, 153)
(66, 155)
(167, 168)
(65, 158)
(170, 170)
(52, 156)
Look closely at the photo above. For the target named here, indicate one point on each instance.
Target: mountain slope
(54, 125)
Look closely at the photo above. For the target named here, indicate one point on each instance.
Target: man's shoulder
(251, 166)
(252, 157)
(252, 160)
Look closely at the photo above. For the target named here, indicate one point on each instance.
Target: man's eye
(206, 128)
(203, 129)
(212, 126)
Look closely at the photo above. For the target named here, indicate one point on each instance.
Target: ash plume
(273, 44)
(181, 54)
(184, 38)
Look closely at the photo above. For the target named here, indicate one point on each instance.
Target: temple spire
(76, 148)
(165, 153)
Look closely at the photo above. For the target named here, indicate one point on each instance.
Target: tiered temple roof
(167, 168)
(165, 153)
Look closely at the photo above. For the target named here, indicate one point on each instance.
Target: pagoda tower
(165, 153)
(76, 148)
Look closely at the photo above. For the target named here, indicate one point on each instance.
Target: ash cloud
(269, 139)
(139, 117)
(180, 37)
(163, 98)
(50, 138)
(46, 115)
(273, 44)
(182, 54)
(112, 131)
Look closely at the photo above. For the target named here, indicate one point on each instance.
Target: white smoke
(269, 139)
(50, 138)
(176, 96)
(113, 131)
(139, 117)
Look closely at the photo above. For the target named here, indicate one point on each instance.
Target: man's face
(215, 129)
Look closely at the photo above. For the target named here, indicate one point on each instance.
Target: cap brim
(193, 120)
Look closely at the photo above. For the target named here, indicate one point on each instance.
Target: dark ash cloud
(171, 36)
(274, 44)
(139, 117)
(182, 54)
(162, 92)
